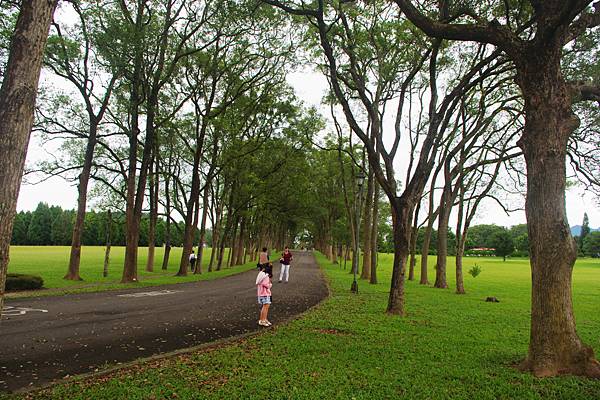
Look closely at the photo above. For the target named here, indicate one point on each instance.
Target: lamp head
(360, 178)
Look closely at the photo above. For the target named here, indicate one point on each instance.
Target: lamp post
(360, 180)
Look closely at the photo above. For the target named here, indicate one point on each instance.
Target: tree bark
(108, 244)
(17, 104)
(413, 244)
(202, 240)
(190, 229)
(442, 238)
(240, 246)
(153, 185)
(167, 254)
(402, 218)
(374, 233)
(554, 348)
(216, 241)
(460, 241)
(425, 249)
(367, 223)
(233, 249)
(82, 188)
(132, 222)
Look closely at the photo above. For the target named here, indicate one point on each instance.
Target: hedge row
(16, 282)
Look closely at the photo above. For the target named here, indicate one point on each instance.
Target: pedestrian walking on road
(263, 287)
(286, 260)
(263, 258)
(192, 261)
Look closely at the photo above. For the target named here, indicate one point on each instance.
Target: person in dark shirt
(286, 260)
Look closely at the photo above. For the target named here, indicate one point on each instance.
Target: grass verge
(448, 347)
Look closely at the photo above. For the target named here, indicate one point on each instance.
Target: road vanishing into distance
(47, 338)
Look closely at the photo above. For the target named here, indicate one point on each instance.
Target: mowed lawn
(51, 262)
(448, 347)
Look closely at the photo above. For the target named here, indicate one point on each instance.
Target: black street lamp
(360, 180)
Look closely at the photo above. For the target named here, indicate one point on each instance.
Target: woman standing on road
(263, 286)
(286, 259)
(263, 258)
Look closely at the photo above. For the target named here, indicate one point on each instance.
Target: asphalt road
(43, 339)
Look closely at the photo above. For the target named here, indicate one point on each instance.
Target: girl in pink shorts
(263, 286)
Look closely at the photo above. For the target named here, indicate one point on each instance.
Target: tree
(17, 103)
(367, 67)
(481, 235)
(62, 229)
(520, 239)
(71, 57)
(533, 34)
(591, 245)
(40, 226)
(503, 244)
(21, 227)
(585, 230)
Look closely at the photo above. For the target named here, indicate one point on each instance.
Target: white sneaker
(262, 323)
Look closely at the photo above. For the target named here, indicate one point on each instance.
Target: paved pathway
(43, 339)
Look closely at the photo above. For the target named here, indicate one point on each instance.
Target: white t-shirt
(192, 257)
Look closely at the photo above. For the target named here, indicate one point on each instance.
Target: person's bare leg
(262, 312)
(266, 310)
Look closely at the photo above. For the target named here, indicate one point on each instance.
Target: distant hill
(576, 230)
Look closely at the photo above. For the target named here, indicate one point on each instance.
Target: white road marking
(150, 294)
(10, 311)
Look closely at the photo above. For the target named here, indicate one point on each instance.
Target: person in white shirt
(192, 261)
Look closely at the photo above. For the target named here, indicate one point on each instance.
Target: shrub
(476, 270)
(23, 282)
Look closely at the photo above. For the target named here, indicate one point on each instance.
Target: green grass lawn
(448, 347)
(51, 262)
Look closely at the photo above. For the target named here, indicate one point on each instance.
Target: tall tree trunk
(202, 240)
(401, 224)
(216, 237)
(413, 244)
(240, 251)
(17, 104)
(108, 244)
(153, 185)
(425, 250)
(167, 254)
(233, 249)
(460, 282)
(82, 188)
(190, 217)
(132, 222)
(442, 241)
(367, 223)
(222, 243)
(374, 234)
(460, 241)
(190, 228)
(554, 346)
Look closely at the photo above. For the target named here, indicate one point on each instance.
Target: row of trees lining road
(527, 37)
(31, 228)
(180, 111)
(202, 91)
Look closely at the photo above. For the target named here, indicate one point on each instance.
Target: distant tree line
(511, 241)
(505, 242)
(53, 226)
